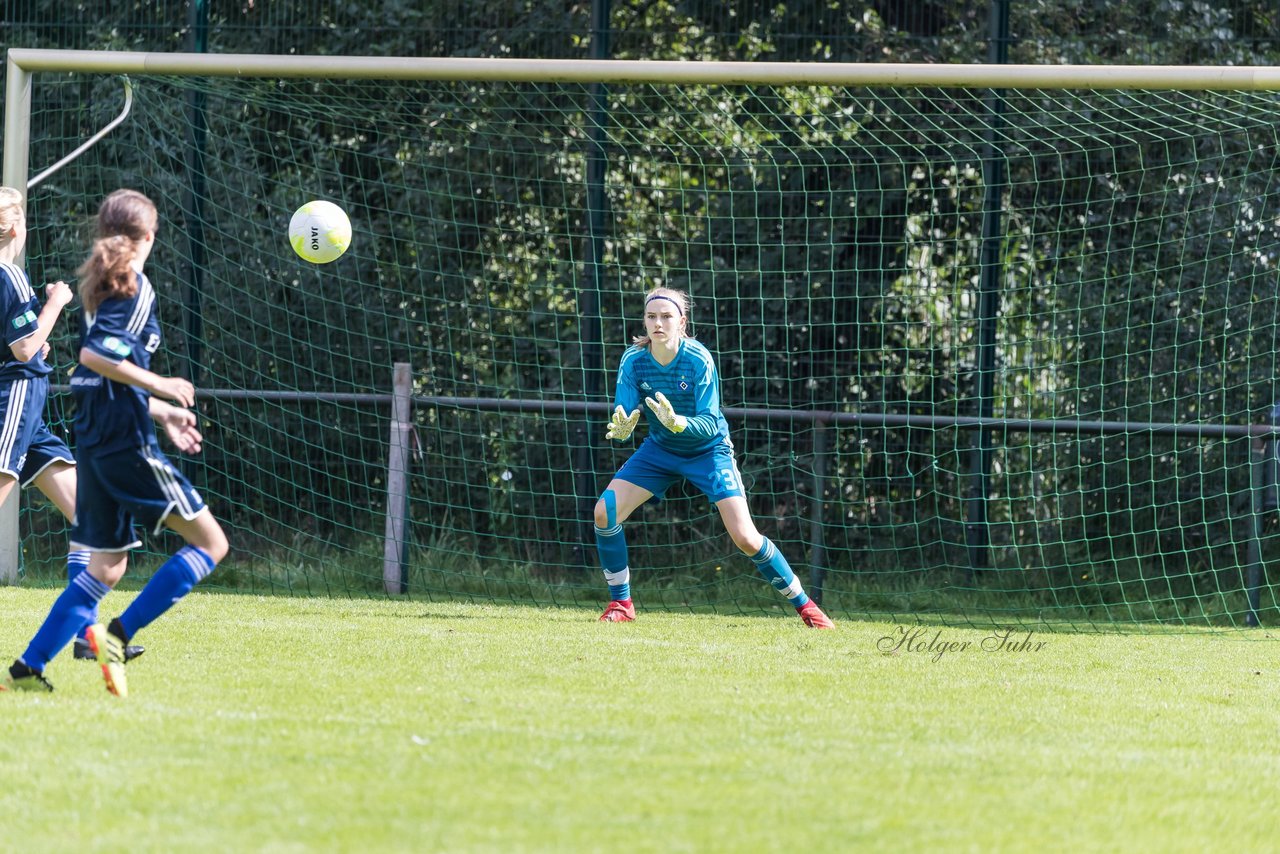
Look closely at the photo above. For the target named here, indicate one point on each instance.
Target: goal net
(990, 352)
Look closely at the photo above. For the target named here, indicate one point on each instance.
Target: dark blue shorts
(713, 471)
(117, 490)
(26, 445)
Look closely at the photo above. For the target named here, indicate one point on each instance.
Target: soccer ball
(320, 232)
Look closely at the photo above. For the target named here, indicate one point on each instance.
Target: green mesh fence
(1116, 323)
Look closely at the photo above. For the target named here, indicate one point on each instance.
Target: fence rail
(1264, 464)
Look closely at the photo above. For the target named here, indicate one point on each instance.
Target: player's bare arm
(57, 296)
(176, 389)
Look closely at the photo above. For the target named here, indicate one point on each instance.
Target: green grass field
(282, 724)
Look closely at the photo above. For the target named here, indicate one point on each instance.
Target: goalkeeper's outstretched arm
(626, 401)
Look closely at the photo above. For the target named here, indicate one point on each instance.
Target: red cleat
(813, 616)
(619, 611)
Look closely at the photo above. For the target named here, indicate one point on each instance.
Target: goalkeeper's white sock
(774, 567)
(619, 584)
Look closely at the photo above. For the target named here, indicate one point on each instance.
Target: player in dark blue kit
(688, 439)
(124, 478)
(29, 452)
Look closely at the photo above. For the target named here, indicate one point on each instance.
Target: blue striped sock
(619, 584)
(173, 580)
(78, 562)
(774, 567)
(612, 545)
(70, 614)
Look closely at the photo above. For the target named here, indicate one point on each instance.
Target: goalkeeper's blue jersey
(19, 310)
(112, 416)
(692, 385)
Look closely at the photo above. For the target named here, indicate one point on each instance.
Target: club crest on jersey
(116, 346)
(684, 386)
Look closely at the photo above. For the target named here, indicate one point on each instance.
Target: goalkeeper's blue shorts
(26, 445)
(714, 471)
(121, 488)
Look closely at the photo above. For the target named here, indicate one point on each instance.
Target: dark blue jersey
(111, 416)
(19, 310)
(692, 386)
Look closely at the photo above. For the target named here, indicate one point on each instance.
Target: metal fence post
(1260, 457)
(817, 512)
(994, 179)
(395, 546)
(1264, 469)
(594, 381)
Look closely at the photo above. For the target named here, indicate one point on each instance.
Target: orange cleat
(109, 650)
(813, 616)
(619, 611)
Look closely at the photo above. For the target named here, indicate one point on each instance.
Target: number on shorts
(730, 479)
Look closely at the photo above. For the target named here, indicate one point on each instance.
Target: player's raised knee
(607, 510)
(219, 547)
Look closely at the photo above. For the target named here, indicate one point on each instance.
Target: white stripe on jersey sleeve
(18, 277)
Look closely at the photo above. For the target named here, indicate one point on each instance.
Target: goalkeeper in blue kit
(671, 379)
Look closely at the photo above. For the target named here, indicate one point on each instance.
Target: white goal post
(24, 64)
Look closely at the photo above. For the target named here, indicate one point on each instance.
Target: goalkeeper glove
(666, 413)
(621, 424)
